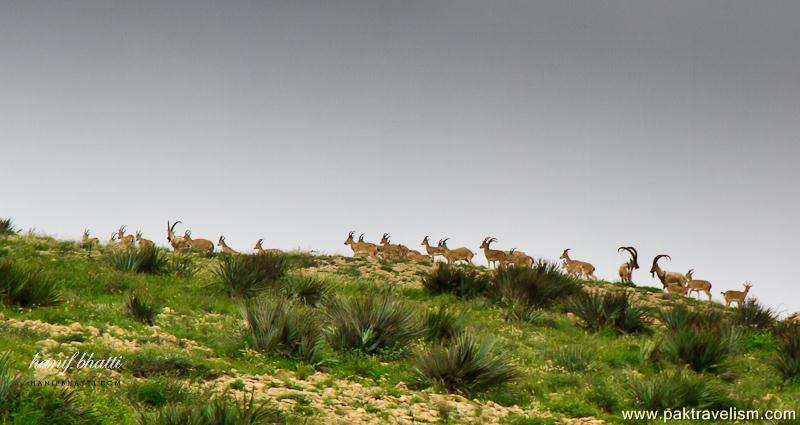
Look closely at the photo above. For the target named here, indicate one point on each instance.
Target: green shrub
(278, 325)
(701, 348)
(787, 359)
(442, 323)
(573, 358)
(153, 363)
(462, 281)
(371, 323)
(677, 389)
(7, 227)
(540, 286)
(753, 314)
(182, 266)
(466, 365)
(47, 405)
(149, 260)
(11, 385)
(250, 275)
(27, 287)
(157, 392)
(220, 411)
(612, 310)
(142, 307)
(309, 290)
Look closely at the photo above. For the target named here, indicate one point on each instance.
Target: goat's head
(634, 261)
(349, 239)
(258, 244)
(171, 230)
(565, 255)
(655, 268)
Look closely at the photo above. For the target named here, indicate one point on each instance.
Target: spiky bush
(250, 275)
(676, 389)
(465, 364)
(787, 359)
(182, 266)
(753, 314)
(278, 325)
(7, 227)
(678, 317)
(221, 411)
(142, 307)
(610, 310)
(143, 260)
(371, 323)
(309, 290)
(47, 405)
(462, 281)
(540, 286)
(573, 358)
(442, 323)
(27, 287)
(702, 348)
(11, 385)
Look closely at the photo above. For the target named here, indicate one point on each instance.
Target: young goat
(458, 254)
(696, 285)
(492, 255)
(261, 249)
(225, 248)
(576, 267)
(143, 243)
(203, 245)
(736, 296)
(87, 241)
(361, 248)
(433, 251)
(124, 240)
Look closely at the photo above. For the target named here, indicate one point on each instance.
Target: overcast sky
(672, 126)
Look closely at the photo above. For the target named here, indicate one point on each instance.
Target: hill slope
(200, 347)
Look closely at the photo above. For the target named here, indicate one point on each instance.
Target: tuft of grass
(182, 266)
(676, 389)
(249, 275)
(610, 310)
(702, 348)
(221, 410)
(142, 307)
(462, 281)
(787, 358)
(27, 287)
(11, 384)
(47, 405)
(753, 314)
(157, 392)
(153, 363)
(371, 324)
(465, 365)
(7, 227)
(309, 290)
(149, 260)
(573, 358)
(278, 325)
(540, 286)
(442, 324)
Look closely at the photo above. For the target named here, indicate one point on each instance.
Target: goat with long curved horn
(627, 268)
(666, 278)
(178, 242)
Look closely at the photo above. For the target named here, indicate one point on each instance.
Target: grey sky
(672, 126)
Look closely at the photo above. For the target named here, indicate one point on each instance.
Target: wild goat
(664, 276)
(417, 256)
(178, 242)
(736, 296)
(113, 241)
(674, 288)
(87, 241)
(361, 248)
(458, 254)
(492, 255)
(576, 267)
(433, 251)
(517, 259)
(124, 240)
(696, 285)
(261, 249)
(225, 248)
(203, 245)
(143, 243)
(626, 269)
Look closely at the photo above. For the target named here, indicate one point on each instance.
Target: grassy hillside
(325, 339)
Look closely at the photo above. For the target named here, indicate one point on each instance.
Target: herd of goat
(673, 282)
